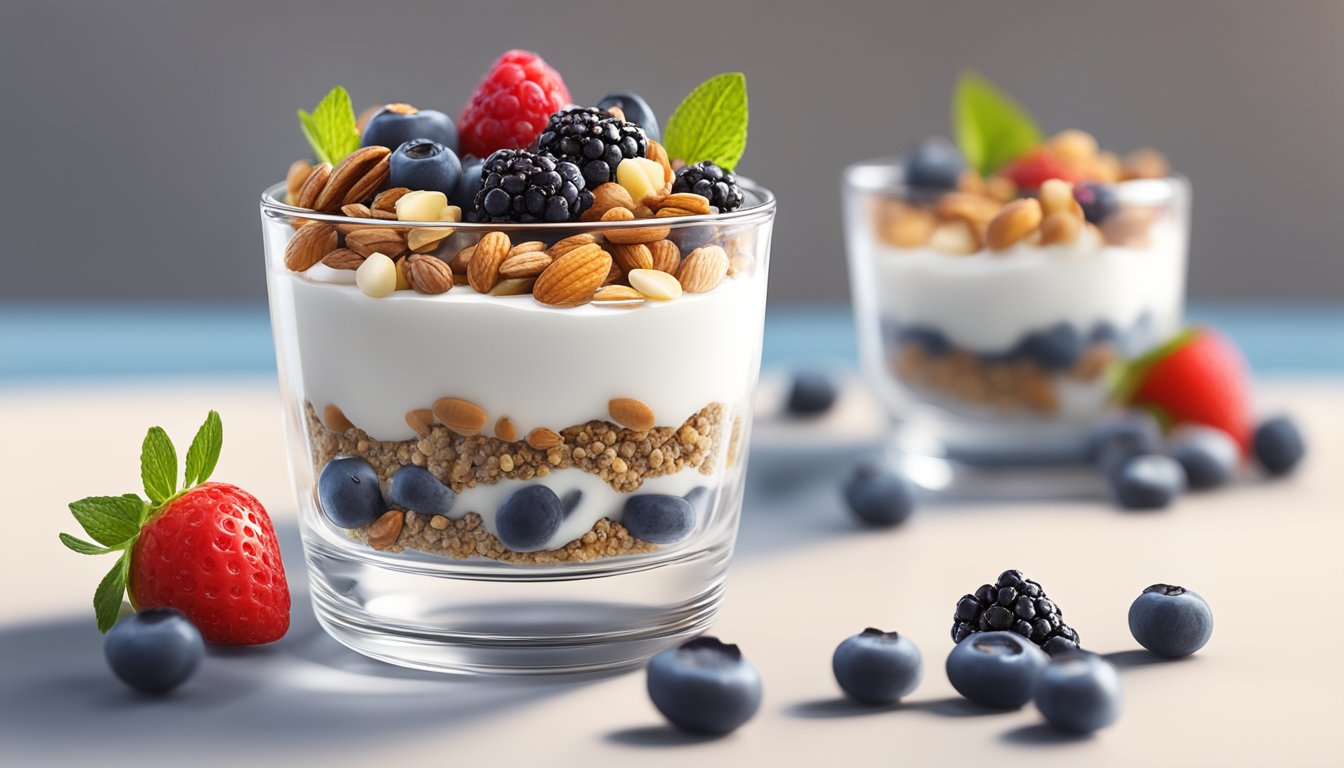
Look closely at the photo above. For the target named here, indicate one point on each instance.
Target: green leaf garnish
(710, 123)
(991, 128)
(158, 466)
(204, 451)
(115, 521)
(331, 128)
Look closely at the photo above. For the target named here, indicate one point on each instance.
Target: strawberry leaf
(158, 466)
(83, 547)
(331, 128)
(107, 598)
(204, 451)
(991, 128)
(109, 520)
(711, 123)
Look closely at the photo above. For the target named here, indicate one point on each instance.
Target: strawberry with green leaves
(207, 549)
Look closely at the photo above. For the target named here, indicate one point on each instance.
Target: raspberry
(1038, 166)
(511, 105)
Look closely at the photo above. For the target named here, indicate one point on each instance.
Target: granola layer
(1007, 385)
(467, 537)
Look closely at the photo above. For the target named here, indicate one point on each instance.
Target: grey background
(138, 134)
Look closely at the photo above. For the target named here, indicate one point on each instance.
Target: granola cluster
(1005, 385)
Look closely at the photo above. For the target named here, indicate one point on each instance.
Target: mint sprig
(115, 521)
(331, 128)
(991, 128)
(711, 122)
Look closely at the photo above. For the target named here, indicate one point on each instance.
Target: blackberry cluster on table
(1014, 603)
(593, 140)
(518, 185)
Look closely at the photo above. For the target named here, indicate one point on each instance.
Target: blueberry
(931, 340)
(1079, 693)
(811, 393)
(1209, 456)
(424, 164)
(995, 669)
(1150, 481)
(468, 184)
(418, 490)
(1098, 201)
(704, 686)
(636, 111)
(349, 493)
(658, 518)
(1278, 445)
(155, 650)
(878, 496)
(876, 667)
(1055, 348)
(1170, 621)
(934, 164)
(1119, 440)
(396, 124)
(528, 519)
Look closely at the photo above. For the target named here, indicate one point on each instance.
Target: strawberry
(1198, 377)
(1039, 165)
(511, 105)
(208, 550)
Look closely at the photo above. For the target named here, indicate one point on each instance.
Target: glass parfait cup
(632, 415)
(994, 364)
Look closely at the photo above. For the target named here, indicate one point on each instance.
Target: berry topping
(1038, 166)
(1098, 201)
(658, 518)
(511, 105)
(1170, 621)
(396, 124)
(349, 493)
(995, 669)
(879, 497)
(934, 164)
(811, 393)
(416, 489)
(634, 110)
(1278, 445)
(876, 667)
(711, 182)
(529, 518)
(1078, 693)
(1147, 482)
(1014, 603)
(468, 184)
(155, 650)
(704, 686)
(422, 164)
(523, 186)
(593, 140)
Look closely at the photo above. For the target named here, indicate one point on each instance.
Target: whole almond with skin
(427, 274)
(703, 269)
(369, 240)
(334, 419)
(614, 275)
(976, 209)
(1015, 221)
(572, 279)
(386, 201)
(631, 413)
(356, 178)
(461, 260)
(513, 286)
(607, 196)
(421, 420)
(374, 213)
(342, 258)
(544, 439)
(298, 173)
(505, 430)
(628, 257)
(634, 235)
(656, 153)
(1060, 228)
(384, 531)
(310, 243)
(687, 201)
(672, 212)
(568, 244)
(461, 416)
(312, 186)
(357, 211)
(666, 256)
(483, 270)
(526, 264)
(531, 246)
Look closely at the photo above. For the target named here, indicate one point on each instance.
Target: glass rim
(274, 206)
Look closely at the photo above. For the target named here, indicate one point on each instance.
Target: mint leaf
(331, 128)
(711, 123)
(158, 466)
(109, 520)
(83, 547)
(107, 598)
(204, 451)
(991, 128)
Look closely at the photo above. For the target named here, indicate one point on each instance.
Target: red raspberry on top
(511, 105)
(1038, 166)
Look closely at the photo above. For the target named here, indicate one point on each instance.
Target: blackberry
(517, 185)
(711, 182)
(1014, 603)
(593, 140)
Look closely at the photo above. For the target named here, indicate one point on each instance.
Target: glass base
(480, 619)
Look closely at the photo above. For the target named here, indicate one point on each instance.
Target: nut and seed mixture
(1019, 385)
(467, 537)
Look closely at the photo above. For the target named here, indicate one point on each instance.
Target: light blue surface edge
(61, 341)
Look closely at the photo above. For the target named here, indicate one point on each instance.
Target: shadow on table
(1138, 658)
(1040, 734)
(61, 700)
(659, 736)
(838, 707)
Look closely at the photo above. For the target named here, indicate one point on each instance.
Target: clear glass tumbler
(996, 362)
(635, 415)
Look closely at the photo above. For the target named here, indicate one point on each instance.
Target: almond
(1060, 228)
(312, 186)
(310, 243)
(298, 173)
(335, 419)
(656, 153)
(634, 235)
(1014, 221)
(544, 439)
(386, 201)
(1056, 195)
(505, 430)
(666, 256)
(356, 178)
(617, 294)
(570, 243)
(384, 531)
(460, 261)
(357, 211)
(425, 239)
(906, 227)
(628, 257)
(421, 420)
(572, 279)
(427, 274)
(343, 258)
(703, 269)
(632, 413)
(605, 197)
(614, 275)
(654, 284)
(483, 271)
(978, 210)
(463, 417)
(375, 213)
(369, 240)
(672, 211)
(687, 201)
(527, 264)
(513, 286)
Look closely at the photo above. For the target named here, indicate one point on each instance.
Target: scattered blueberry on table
(425, 164)
(658, 518)
(1148, 482)
(1278, 445)
(528, 518)
(416, 489)
(811, 393)
(1170, 620)
(1209, 456)
(1079, 693)
(349, 493)
(876, 667)
(996, 669)
(704, 686)
(155, 650)
(878, 496)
